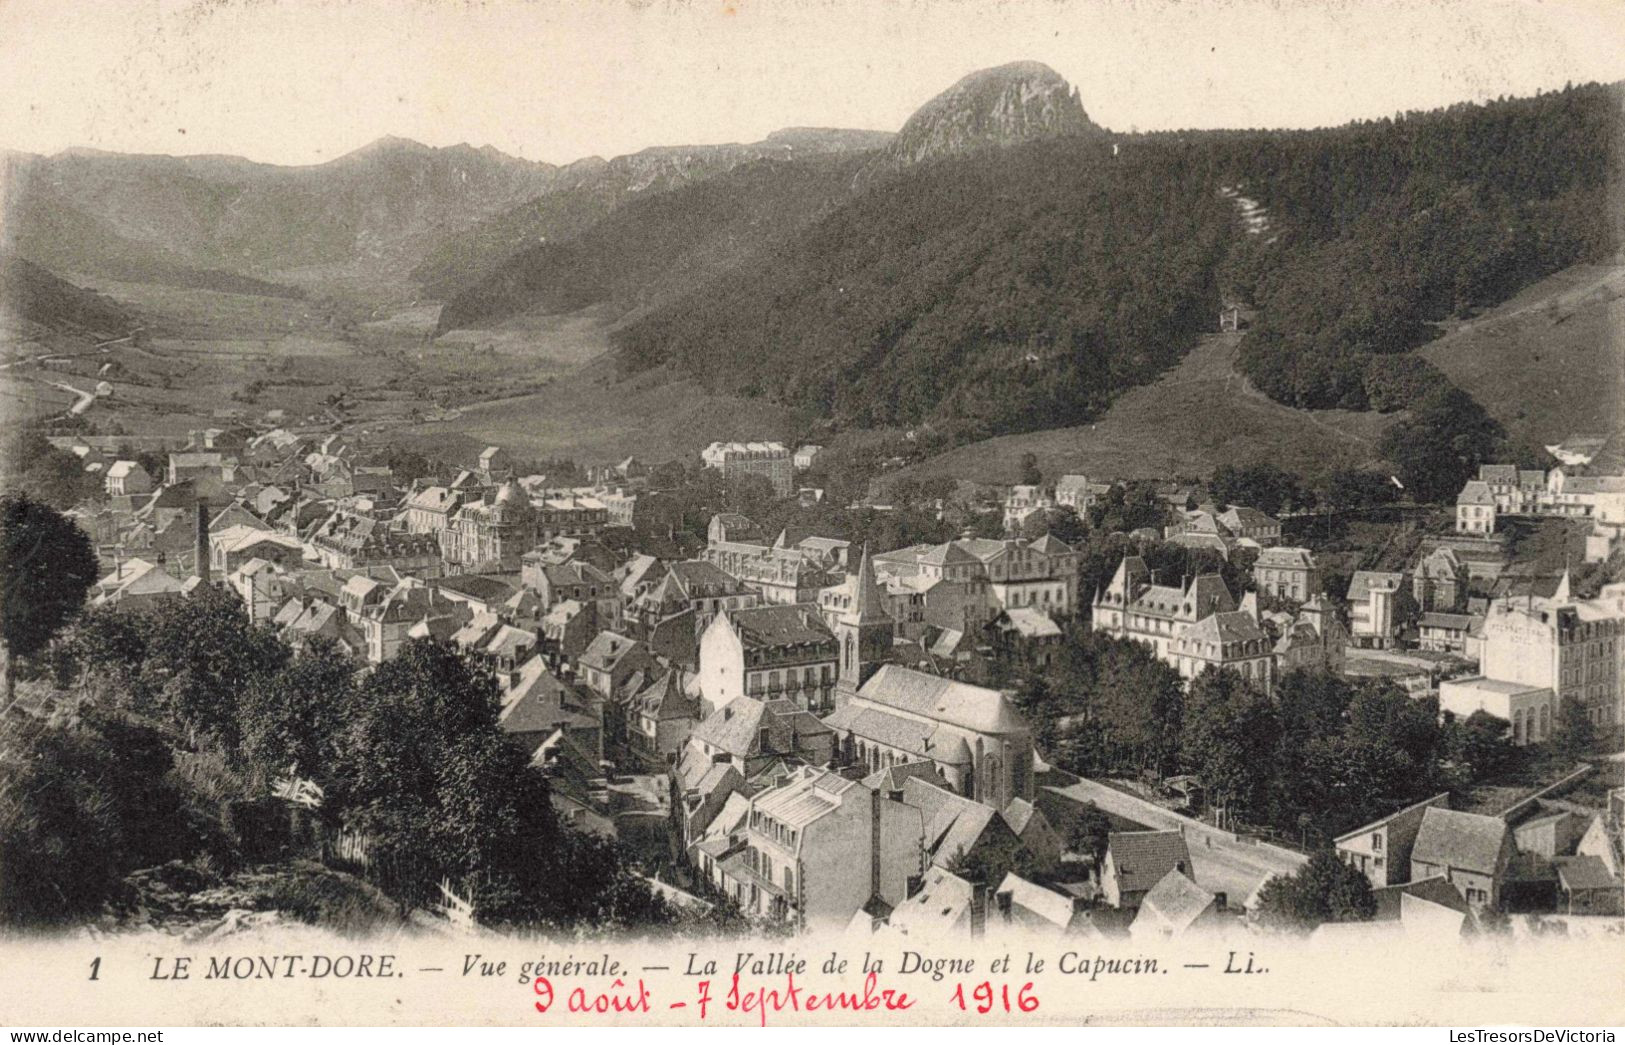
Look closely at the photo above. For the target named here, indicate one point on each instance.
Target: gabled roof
(1467, 841)
(1364, 582)
(1173, 904)
(1224, 628)
(1285, 559)
(1142, 858)
(764, 627)
(945, 700)
(1046, 904)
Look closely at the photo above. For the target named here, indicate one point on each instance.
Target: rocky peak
(1002, 106)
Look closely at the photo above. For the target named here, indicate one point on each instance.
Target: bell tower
(863, 629)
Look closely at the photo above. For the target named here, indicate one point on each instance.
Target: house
(957, 831)
(662, 716)
(1381, 850)
(1030, 907)
(694, 585)
(1586, 886)
(974, 736)
(819, 848)
(135, 582)
(1232, 640)
(940, 906)
(1444, 632)
(1551, 834)
(750, 734)
(1134, 606)
(1136, 861)
(1287, 573)
(537, 705)
(235, 545)
(495, 465)
(769, 652)
(1315, 639)
(1379, 607)
(1470, 850)
(492, 532)
(127, 479)
(1475, 509)
(1250, 524)
(578, 580)
(807, 456)
(1078, 493)
(1174, 906)
(1023, 501)
(1439, 581)
(610, 660)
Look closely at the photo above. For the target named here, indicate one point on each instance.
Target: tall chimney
(201, 551)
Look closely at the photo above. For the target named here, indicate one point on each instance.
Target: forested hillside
(674, 238)
(993, 292)
(1387, 227)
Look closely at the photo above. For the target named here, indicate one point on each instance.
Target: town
(1073, 705)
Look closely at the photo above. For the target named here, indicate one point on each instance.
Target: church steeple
(863, 627)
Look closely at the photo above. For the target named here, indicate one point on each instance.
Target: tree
(1484, 743)
(1576, 734)
(1263, 486)
(202, 655)
(47, 564)
(1323, 890)
(291, 718)
(1229, 739)
(1028, 470)
(1061, 523)
(422, 770)
(1442, 445)
(1090, 832)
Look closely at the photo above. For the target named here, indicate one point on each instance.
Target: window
(1376, 841)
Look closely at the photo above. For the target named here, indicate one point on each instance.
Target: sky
(303, 81)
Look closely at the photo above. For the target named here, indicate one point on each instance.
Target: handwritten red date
(985, 997)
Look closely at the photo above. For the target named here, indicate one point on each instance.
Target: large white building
(1190, 627)
(771, 461)
(1573, 647)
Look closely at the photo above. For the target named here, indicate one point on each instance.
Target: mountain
(31, 295)
(360, 218)
(984, 292)
(589, 190)
(655, 246)
(997, 291)
(990, 108)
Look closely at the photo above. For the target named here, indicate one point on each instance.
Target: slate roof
(1173, 904)
(1363, 581)
(762, 627)
(1224, 628)
(1580, 873)
(944, 700)
(1475, 492)
(1285, 559)
(1142, 858)
(1467, 841)
(1053, 907)
(1436, 889)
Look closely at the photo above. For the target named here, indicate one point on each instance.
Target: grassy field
(1197, 416)
(1549, 362)
(589, 415)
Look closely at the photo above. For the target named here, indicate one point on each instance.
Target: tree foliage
(1323, 890)
(47, 565)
